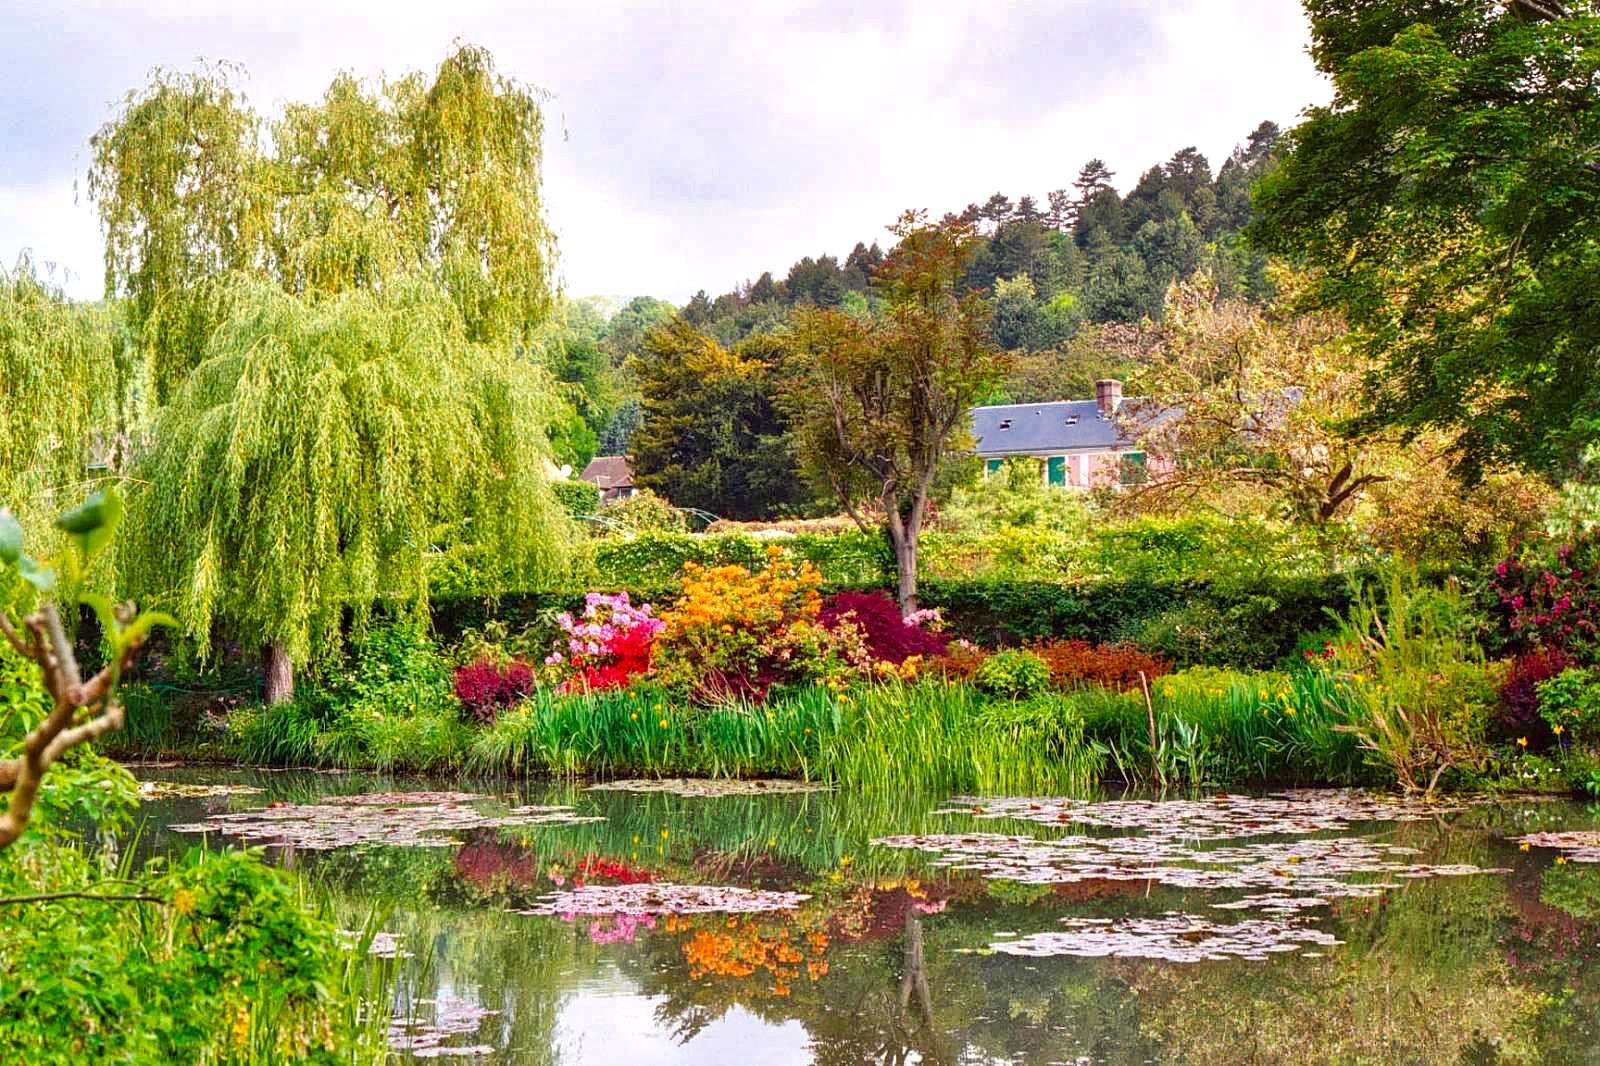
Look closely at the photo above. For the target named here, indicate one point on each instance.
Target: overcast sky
(693, 145)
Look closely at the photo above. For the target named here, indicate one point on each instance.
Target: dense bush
(1518, 714)
(1079, 662)
(1569, 704)
(1013, 674)
(485, 687)
(611, 643)
(1550, 599)
(580, 498)
(643, 512)
(889, 635)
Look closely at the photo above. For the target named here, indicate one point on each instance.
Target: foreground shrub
(1013, 674)
(1077, 662)
(890, 637)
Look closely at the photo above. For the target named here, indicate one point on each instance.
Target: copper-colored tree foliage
(879, 405)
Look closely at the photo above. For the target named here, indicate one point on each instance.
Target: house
(1080, 444)
(611, 475)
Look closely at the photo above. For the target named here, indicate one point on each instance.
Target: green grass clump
(927, 736)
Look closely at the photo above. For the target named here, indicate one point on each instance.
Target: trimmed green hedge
(655, 560)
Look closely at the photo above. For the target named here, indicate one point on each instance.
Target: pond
(550, 923)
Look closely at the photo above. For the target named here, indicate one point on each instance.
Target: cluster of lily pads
(453, 1018)
(595, 901)
(1576, 846)
(1220, 844)
(405, 819)
(1174, 937)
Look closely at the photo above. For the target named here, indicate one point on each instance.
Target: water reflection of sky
(610, 1022)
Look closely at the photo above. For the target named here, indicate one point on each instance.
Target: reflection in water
(889, 957)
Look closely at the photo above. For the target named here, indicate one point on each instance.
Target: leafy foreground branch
(79, 711)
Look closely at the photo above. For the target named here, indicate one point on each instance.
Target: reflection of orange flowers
(742, 947)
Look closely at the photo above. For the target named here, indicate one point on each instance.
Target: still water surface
(553, 924)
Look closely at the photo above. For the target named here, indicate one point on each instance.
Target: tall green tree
(880, 405)
(303, 470)
(1449, 198)
(438, 176)
(62, 384)
(711, 436)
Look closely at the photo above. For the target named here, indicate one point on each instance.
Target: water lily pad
(181, 790)
(453, 1017)
(712, 787)
(594, 901)
(1182, 938)
(405, 819)
(1578, 845)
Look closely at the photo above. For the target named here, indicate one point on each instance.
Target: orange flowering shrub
(734, 632)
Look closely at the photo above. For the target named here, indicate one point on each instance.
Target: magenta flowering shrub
(1554, 602)
(890, 637)
(610, 644)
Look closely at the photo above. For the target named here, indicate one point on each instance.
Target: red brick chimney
(1108, 395)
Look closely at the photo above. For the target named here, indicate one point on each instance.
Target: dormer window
(1005, 423)
(1072, 420)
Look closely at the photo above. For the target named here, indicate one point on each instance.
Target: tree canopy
(439, 177)
(1449, 200)
(711, 435)
(879, 404)
(319, 449)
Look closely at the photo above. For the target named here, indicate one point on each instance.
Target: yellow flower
(664, 834)
(1558, 730)
(634, 717)
(183, 901)
(844, 860)
(1561, 860)
(664, 723)
(1522, 742)
(1526, 846)
(1289, 711)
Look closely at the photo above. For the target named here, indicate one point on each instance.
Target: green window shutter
(1056, 467)
(993, 466)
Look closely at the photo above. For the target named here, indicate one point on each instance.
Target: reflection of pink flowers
(616, 928)
(929, 906)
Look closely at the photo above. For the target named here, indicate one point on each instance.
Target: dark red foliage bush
(484, 687)
(1519, 696)
(889, 637)
(1118, 666)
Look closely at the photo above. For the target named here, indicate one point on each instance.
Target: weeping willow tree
(60, 383)
(304, 468)
(439, 177)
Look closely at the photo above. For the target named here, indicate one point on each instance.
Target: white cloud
(694, 145)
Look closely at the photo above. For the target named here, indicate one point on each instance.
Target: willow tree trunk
(280, 674)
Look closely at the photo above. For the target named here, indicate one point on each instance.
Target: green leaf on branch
(10, 537)
(94, 522)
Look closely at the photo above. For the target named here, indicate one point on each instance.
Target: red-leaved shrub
(1519, 696)
(1118, 666)
(890, 636)
(484, 687)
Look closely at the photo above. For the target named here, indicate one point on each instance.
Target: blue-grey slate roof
(1045, 429)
